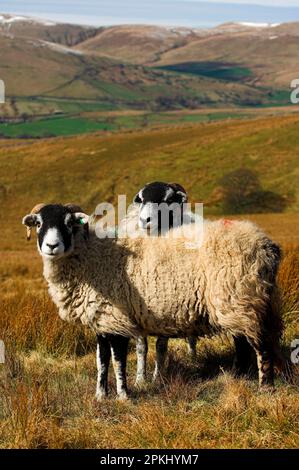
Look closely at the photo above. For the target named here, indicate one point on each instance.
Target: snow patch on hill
(259, 25)
(9, 19)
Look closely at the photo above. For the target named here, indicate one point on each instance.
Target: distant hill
(17, 26)
(138, 44)
(51, 68)
(269, 52)
(44, 77)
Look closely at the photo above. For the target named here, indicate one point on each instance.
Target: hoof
(101, 397)
(123, 397)
(267, 388)
(158, 379)
(140, 384)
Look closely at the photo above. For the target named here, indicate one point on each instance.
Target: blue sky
(194, 13)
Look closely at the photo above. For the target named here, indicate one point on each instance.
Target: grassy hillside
(89, 169)
(65, 69)
(261, 57)
(265, 59)
(138, 44)
(52, 77)
(48, 381)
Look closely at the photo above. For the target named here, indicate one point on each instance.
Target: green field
(53, 127)
(64, 125)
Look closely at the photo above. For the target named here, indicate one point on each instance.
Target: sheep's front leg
(141, 352)
(161, 352)
(119, 347)
(192, 342)
(103, 360)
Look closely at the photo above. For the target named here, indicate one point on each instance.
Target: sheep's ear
(80, 218)
(137, 199)
(30, 220)
(180, 197)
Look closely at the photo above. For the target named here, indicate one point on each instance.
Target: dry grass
(48, 382)
(49, 403)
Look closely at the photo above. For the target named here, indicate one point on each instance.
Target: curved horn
(178, 187)
(37, 208)
(73, 208)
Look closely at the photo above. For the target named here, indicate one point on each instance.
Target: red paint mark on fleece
(227, 222)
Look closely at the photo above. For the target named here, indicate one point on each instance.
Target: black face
(154, 192)
(160, 194)
(56, 227)
(55, 217)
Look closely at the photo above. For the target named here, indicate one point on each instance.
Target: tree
(242, 193)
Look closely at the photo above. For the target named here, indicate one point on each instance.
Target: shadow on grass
(182, 374)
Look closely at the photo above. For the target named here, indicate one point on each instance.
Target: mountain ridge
(142, 66)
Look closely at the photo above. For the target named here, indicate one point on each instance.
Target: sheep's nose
(52, 247)
(148, 220)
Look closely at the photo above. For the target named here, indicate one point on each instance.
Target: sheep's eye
(38, 224)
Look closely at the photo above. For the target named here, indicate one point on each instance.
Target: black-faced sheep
(146, 215)
(163, 286)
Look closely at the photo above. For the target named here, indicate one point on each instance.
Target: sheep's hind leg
(265, 368)
(103, 360)
(192, 342)
(141, 352)
(119, 347)
(264, 354)
(161, 353)
(243, 358)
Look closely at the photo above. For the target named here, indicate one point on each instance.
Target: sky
(193, 13)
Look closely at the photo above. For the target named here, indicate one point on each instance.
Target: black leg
(192, 342)
(161, 353)
(103, 360)
(244, 356)
(119, 348)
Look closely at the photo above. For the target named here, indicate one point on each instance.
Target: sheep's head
(160, 206)
(56, 226)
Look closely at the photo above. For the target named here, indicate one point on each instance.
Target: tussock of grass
(50, 404)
